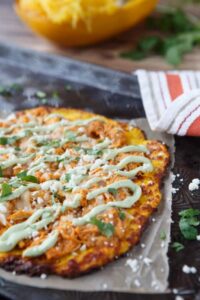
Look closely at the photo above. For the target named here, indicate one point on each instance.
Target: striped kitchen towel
(171, 101)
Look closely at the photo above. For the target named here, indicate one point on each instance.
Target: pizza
(76, 190)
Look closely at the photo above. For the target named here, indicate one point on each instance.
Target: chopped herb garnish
(163, 235)
(44, 101)
(6, 190)
(106, 229)
(24, 177)
(68, 177)
(40, 95)
(188, 222)
(56, 195)
(7, 140)
(55, 94)
(78, 148)
(71, 136)
(10, 90)
(76, 159)
(93, 152)
(68, 87)
(177, 246)
(122, 215)
(4, 92)
(3, 140)
(112, 191)
(67, 189)
(17, 148)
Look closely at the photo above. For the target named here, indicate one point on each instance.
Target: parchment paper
(147, 276)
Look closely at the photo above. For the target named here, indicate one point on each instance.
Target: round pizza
(76, 190)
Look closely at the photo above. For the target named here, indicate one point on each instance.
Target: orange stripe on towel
(174, 85)
(194, 129)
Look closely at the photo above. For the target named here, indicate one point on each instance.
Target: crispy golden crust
(128, 232)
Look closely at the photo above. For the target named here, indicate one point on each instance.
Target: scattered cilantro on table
(189, 220)
(188, 223)
(10, 90)
(176, 34)
(177, 246)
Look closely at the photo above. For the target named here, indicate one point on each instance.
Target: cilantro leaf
(188, 223)
(112, 191)
(179, 36)
(3, 140)
(68, 87)
(163, 235)
(106, 229)
(6, 190)
(24, 177)
(122, 215)
(68, 177)
(10, 90)
(40, 94)
(190, 212)
(94, 152)
(71, 136)
(7, 140)
(177, 246)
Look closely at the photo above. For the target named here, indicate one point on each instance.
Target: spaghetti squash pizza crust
(76, 190)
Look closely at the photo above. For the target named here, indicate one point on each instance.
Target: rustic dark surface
(115, 95)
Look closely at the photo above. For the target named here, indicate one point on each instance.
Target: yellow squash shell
(82, 22)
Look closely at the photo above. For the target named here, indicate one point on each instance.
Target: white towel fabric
(171, 101)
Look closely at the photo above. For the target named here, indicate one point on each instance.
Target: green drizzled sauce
(76, 177)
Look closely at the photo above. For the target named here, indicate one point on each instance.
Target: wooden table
(105, 54)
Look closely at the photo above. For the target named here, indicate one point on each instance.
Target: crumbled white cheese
(179, 298)
(173, 177)
(154, 285)
(186, 269)
(83, 248)
(40, 200)
(133, 264)
(52, 185)
(175, 190)
(175, 291)
(3, 219)
(100, 199)
(81, 129)
(104, 286)
(34, 234)
(11, 117)
(88, 158)
(43, 276)
(147, 261)
(194, 185)
(3, 208)
(137, 283)
(162, 245)
(162, 270)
